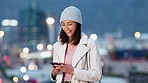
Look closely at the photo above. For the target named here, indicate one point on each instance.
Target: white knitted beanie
(71, 13)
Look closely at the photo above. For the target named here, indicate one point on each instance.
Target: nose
(67, 28)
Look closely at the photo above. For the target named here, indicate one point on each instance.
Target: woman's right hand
(55, 70)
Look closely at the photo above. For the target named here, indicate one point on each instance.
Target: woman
(77, 55)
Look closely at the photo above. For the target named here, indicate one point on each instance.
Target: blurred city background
(29, 28)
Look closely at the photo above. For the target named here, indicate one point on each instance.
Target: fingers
(57, 66)
(54, 72)
(55, 69)
(67, 69)
(63, 68)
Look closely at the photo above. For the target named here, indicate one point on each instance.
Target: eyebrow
(69, 22)
(66, 22)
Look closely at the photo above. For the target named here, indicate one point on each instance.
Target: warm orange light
(137, 34)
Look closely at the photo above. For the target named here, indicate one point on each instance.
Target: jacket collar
(81, 50)
(79, 53)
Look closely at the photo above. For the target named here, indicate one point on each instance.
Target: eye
(69, 24)
(62, 24)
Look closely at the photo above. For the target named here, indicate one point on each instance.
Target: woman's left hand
(67, 68)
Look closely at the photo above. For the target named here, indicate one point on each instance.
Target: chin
(69, 35)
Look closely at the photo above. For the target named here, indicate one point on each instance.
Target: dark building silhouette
(11, 35)
(33, 27)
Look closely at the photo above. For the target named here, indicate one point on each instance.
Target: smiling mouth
(68, 31)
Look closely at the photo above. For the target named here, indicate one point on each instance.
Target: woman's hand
(62, 68)
(67, 68)
(55, 70)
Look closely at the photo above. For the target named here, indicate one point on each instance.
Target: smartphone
(55, 63)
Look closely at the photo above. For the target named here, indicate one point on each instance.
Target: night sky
(99, 16)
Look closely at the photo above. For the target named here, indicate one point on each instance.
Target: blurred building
(11, 34)
(33, 27)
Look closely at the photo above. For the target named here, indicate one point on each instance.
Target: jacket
(88, 47)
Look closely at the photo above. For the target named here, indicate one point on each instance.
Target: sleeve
(54, 54)
(54, 60)
(52, 77)
(94, 73)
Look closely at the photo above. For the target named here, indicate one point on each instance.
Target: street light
(137, 35)
(93, 36)
(1, 34)
(1, 42)
(50, 21)
(9, 22)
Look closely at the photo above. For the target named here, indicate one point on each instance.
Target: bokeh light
(93, 36)
(23, 69)
(137, 34)
(50, 20)
(15, 79)
(40, 46)
(26, 50)
(26, 77)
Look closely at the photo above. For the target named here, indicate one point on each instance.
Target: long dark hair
(76, 37)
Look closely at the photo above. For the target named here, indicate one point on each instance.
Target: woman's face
(69, 27)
